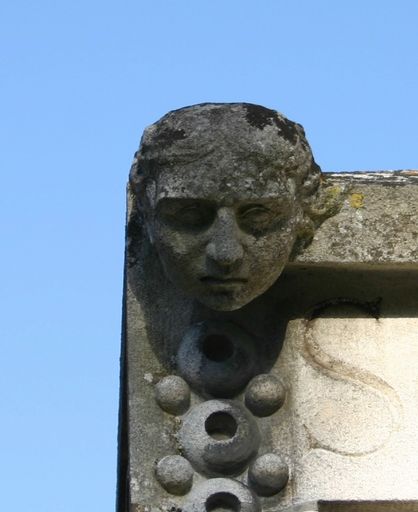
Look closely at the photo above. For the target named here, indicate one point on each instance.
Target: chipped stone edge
(399, 177)
(348, 181)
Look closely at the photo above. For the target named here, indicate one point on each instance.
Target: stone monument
(270, 332)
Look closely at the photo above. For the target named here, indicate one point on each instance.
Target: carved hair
(255, 132)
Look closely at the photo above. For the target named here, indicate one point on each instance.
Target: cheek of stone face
(182, 257)
(266, 260)
(269, 253)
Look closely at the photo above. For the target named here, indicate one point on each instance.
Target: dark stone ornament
(219, 437)
(217, 358)
(222, 494)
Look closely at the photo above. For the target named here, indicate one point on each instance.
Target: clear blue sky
(79, 81)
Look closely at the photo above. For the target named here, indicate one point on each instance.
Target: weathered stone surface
(377, 224)
(334, 322)
(353, 399)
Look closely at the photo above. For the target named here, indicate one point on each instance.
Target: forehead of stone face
(222, 178)
(234, 131)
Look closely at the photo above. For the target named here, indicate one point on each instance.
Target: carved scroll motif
(352, 385)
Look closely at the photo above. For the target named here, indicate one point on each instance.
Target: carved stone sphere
(268, 474)
(175, 474)
(173, 395)
(265, 394)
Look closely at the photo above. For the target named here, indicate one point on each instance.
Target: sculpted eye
(256, 213)
(258, 218)
(192, 215)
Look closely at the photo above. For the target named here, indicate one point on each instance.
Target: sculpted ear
(146, 203)
(144, 197)
(304, 232)
(149, 195)
(149, 228)
(325, 202)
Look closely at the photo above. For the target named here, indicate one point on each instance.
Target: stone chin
(232, 300)
(224, 302)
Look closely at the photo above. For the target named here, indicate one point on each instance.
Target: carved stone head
(225, 191)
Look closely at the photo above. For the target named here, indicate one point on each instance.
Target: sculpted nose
(225, 247)
(225, 252)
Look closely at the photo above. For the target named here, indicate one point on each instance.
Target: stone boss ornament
(223, 196)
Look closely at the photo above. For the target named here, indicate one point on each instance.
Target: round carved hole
(217, 347)
(223, 502)
(221, 426)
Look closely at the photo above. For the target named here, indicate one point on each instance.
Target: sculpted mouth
(222, 281)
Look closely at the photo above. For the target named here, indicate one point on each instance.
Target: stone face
(295, 389)
(225, 191)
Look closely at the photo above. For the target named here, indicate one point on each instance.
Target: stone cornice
(377, 224)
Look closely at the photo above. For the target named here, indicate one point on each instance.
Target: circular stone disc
(219, 437)
(221, 494)
(217, 358)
